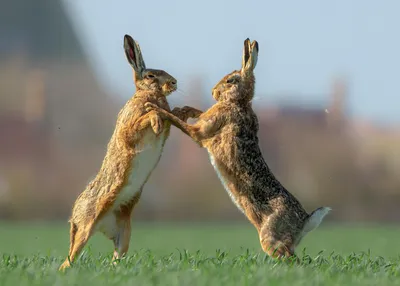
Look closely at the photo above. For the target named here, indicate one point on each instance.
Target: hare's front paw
(151, 106)
(191, 112)
(186, 112)
(177, 111)
(156, 123)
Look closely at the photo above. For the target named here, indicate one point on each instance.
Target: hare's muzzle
(169, 87)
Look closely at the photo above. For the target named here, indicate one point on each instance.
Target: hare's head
(147, 79)
(239, 85)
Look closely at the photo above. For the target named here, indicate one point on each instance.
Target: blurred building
(54, 117)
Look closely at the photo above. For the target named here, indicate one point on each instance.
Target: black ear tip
(256, 45)
(127, 38)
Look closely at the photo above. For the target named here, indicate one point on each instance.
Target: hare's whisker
(182, 92)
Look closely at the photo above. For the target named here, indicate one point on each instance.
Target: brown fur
(133, 122)
(228, 130)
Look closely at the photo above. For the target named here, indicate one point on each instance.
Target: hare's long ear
(134, 55)
(246, 53)
(250, 56)
(254, 54)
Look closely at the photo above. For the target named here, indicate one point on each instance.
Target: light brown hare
(132, 153)
(228, 130)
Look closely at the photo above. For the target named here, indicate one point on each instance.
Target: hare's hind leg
(79, 235)
(122, 239)
(72, 233)
(123, 236)
(271, 242)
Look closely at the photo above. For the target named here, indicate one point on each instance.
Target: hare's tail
(315, 218)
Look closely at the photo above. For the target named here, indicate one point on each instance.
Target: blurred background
(327, 99)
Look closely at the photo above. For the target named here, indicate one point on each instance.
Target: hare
(132, 153)
(228, 130)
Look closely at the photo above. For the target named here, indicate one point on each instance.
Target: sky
(304, 46)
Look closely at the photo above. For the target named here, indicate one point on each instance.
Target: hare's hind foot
(275, 248)
(66, 264)
(122, 239)
(79, 235)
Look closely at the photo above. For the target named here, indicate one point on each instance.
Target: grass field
(200, 254)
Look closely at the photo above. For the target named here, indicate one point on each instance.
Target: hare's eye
(150, 76)
(231, 80)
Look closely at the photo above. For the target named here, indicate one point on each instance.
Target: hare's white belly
(143, 164)
(224, 183)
